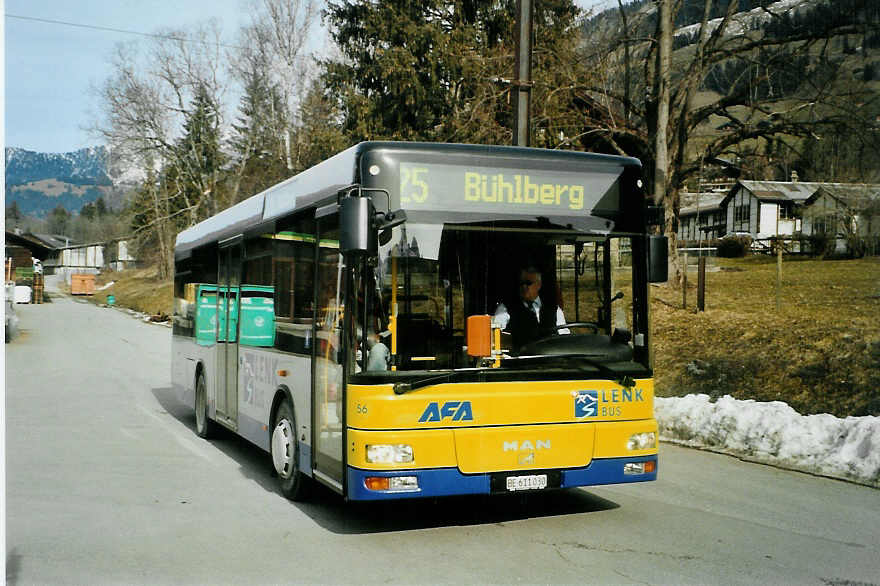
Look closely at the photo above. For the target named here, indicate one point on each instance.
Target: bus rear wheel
(205, 428)
(285, 454)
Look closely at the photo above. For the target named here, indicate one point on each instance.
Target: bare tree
(273, 48)
(779, 81)
(145, 104)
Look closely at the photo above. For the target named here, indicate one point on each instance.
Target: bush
(855, 247)
(821, 244)
(734, 246)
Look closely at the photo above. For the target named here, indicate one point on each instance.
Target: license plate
(531, 482)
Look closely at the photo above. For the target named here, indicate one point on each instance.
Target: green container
(207, 307)
(257, 315)
(230, 297)
(206, 315)
(111, 300)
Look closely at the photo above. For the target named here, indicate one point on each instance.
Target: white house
(763, 209)
(798, 209)
(118, 255)
(92, 258)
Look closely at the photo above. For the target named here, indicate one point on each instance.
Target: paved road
(108, 483)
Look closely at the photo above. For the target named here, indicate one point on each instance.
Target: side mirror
(658, 256)
(355, 225)
(385, 222)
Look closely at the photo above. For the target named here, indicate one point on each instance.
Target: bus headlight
(631, 468)
(392, 483)
(389, 453)
(642, 441)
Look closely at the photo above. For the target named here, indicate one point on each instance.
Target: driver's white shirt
(502, 316)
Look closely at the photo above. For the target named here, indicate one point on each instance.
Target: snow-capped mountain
(38, 182)
(86, 166)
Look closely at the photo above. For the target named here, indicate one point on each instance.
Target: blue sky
(50, 68)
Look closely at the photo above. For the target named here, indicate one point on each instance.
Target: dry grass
(138, 289)
(820, 352)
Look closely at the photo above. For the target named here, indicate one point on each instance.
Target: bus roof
(320, 184)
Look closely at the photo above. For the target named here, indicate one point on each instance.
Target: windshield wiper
(403, 388)
(623, 380)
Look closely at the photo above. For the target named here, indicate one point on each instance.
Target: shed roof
(796, 191)
(706, 202)
(36, 246)
(853, 195)
(53, 241)
(799, 192)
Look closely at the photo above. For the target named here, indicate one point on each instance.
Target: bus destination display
(459, 187)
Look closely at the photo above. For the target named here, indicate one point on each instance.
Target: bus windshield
(414, 300)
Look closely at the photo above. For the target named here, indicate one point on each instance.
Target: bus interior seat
(420, 336)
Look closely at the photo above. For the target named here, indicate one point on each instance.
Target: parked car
(11, 318)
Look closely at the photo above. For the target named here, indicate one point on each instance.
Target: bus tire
(285, 454)
(205, 428)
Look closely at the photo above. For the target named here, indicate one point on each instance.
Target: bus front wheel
(204, 426)
(285, 454)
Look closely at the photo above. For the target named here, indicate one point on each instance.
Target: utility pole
(522, 82)
(664, 51)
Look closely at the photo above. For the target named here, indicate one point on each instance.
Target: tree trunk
(661, 143)
(160, 209)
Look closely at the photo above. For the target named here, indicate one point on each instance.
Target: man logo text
(516, 446)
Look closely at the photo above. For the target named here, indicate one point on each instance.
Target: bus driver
(529, 318)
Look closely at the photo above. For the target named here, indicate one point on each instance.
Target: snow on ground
(774, 433)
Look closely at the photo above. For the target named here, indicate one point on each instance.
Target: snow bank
(774, 433)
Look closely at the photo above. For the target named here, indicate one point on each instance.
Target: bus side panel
(186, 354)
(261, 372)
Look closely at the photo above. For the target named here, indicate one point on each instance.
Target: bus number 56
(412, 184)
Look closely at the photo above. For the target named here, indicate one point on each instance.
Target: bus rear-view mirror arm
(360, 221)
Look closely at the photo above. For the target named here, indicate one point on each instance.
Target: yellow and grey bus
(348, 322)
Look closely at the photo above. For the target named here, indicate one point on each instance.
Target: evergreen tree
(198, 161)
(101, 207)
(13, 214)
(436, 69)
(259, 138)
(320, 134)
(59, 220)
(88, 211)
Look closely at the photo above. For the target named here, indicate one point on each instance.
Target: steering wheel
(579, 324)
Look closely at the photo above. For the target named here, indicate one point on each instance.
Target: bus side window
(293, 269)
(283, 280)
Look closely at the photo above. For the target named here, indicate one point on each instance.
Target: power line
(116, 30)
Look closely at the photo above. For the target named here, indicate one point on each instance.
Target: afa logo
(586, 404)
(457, 410)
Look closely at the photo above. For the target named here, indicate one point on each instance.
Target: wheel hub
(283, 448)
(200, 408)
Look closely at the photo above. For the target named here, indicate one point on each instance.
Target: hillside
(819, 352)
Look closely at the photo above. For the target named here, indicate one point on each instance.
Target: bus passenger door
(327, 375)
(229, 277)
